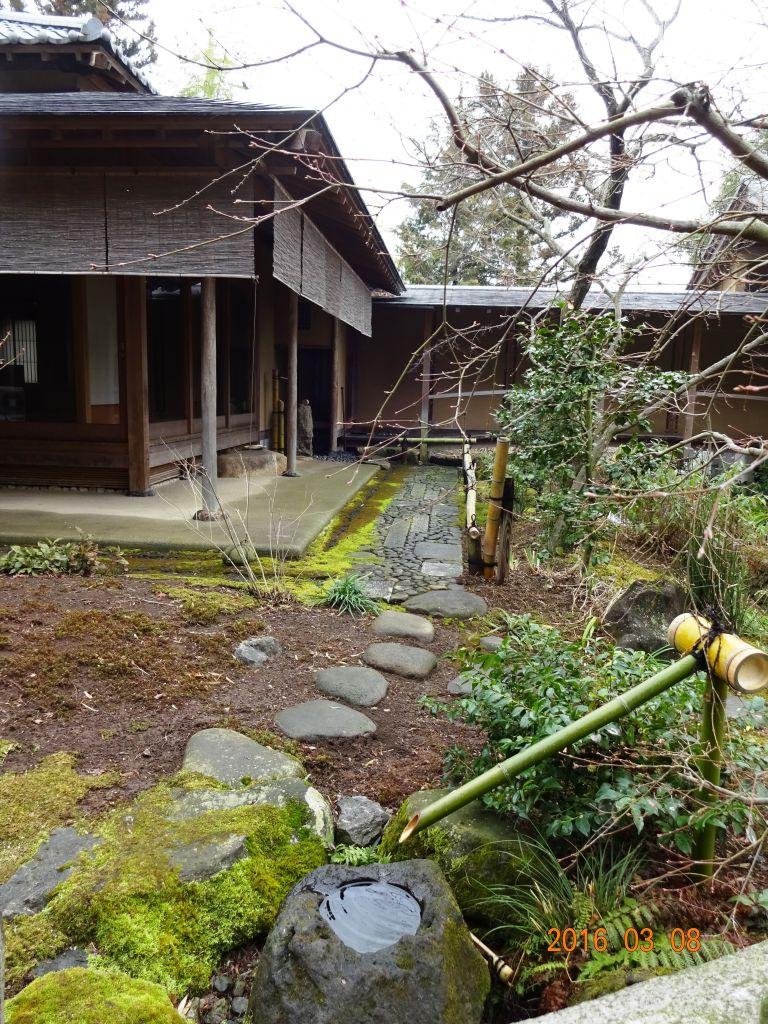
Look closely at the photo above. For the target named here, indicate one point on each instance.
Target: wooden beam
(689, 419)
(292, 389)
(335, 383)
(208, 399)
(132, 292)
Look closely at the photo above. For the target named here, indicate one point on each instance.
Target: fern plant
(358, 856)
(662, 957)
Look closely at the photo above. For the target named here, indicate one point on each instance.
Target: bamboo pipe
(730, 659)
(474, 556)
(544, 748)
(498, 965)
(494, 506)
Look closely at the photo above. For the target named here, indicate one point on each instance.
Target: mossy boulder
(84, 996)
(128, 898)
(384, 944)
(476, 848)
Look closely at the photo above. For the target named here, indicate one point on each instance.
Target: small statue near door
(305, 429)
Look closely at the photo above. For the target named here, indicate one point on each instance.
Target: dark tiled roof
(24, 29)
(116, 104)
(642, 300)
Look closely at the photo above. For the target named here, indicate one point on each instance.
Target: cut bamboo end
(410, 828)
(742, 666)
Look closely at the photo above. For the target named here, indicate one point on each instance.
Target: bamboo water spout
(703, 646)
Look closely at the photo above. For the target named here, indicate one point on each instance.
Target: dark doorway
(314, 384)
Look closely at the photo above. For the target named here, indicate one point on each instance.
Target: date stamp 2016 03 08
(568, 940)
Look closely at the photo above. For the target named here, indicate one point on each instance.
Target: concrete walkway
(282, 516)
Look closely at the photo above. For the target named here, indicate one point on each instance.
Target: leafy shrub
(637, 771)
(348, 595)
(54, 557)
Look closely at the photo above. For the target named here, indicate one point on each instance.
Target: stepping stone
(257, 650)
(414, 627)
(192, 803)
(397, 534)
(429, 549)
(230, 757)
(198, 861)
(410, 662)
(361, 821)
(27, 891)
(491, 643)
(460, 686)
(353, 683)
(323, 719)
(379, 590)
(447, 604)
(442, 570)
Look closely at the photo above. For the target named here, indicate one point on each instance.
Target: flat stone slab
(72, 957)
(197, 861)
(491, 643)
(27, 891)
(403, 660)
(428, 549)
(414, 627)
(323, 720)
(192, 803)
(729, 989)
(230, 757)
(379, 590)
(353, 683)
(442, 570)
(447, 604)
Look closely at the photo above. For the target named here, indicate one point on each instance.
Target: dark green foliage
(348, 595)
(637, 771)
(52, 557)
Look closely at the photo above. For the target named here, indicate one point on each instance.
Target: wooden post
(689, 419)
(292, 390)
(132, 293)
(333, 442)
(208, 399)
(426, 369)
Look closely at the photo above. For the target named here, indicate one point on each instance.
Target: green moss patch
(204, 605)
(33, 803)
(621, 570)
(84, 996)
(28, 940)
(126, 898)
(6, 746)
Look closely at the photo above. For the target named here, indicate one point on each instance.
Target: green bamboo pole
(710, 766)
(537, 752)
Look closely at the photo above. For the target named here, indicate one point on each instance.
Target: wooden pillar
(292, 389)
(132, 292)
(208, 397)
(426, 369)
(695, 364)
(335, 383)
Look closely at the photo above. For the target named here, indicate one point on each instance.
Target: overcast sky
(721, 42)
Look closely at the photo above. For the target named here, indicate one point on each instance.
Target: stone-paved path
(418, 541)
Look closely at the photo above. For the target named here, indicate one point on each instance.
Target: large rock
(251, 460)
(27, 891)
(447, 604)
(403, 660)
(383, 944)
(197, 861)
(257, 650)
(72, 957)
(352, 683)
(84, 996)
(730, 989)
(234, 759)
(638, 618)
(192, 803)
(323, 720)
(404, 624)
(360, 821)
(475, 847)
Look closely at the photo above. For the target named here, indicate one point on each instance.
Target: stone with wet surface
(403, 660)
(230, 757)
(354, 684)
(404, 624)
(447, 604)
(27, 891)
(433, 550)
(323, 719)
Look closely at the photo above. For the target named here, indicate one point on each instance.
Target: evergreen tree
(211, 83)
(491, 242)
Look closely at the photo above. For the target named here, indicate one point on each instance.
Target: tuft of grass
(348, 595)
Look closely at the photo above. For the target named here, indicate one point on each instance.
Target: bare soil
(109, 670)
